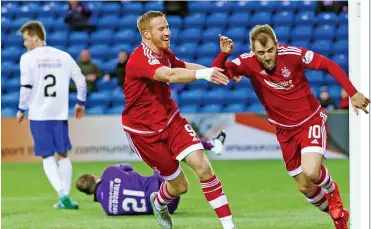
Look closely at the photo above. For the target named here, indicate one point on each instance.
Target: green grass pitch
(260, 193)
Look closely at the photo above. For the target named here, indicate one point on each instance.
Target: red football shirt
(149, 106)
(284, 92)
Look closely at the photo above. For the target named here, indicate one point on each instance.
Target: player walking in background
(45, 78)
(276, 72)
(154, 127)
(121, 191)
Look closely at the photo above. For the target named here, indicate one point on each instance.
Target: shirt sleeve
(310, 59)
(175, 61)
(27, 82)
(238, 66)
(145, 67)
(79, 80)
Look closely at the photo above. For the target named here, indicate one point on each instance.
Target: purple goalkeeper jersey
(121, 191)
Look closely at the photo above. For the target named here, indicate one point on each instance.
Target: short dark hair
(86, 184)
(34, 28)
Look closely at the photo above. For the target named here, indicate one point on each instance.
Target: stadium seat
(205, 61)
(343, 18)
(175, 22)
(157, 6)
(256, 108)
(300, 44)
(240, 19)
(216, 20)
(79, 37)
(287, 5)
(96, 110)
(316, 77)
(109, 21)
(128, 22)
(11, 53)
(8, 112)
(324, 32)
(342, 32)
(265, 6)
(48, 11)
(322, 47)
(102, 36)
(191, 108)
(211, 34)
(329, 79)
(111, 8)
(29, 10)
(191, 97)
(244, 6)
(260, 18)
(14, 39)
(18, 22)
(98, 51)
(10, 99)
(57, 38)
(199, 6)
(124, 36)
(198, 84)
(328, 18)
(208, 50)
(234, 108)
(221, 7)
(215, 96)
(283, 32)
(195, 21)
(238, 95)
(115, 110)
(190, 35)
(340, 47)
(307, 18)
(334, 91)
(236, 34)
(342, 60)
(301, 32)
(186, 50)
(315, 90)
(135, 8)
(283, 18)
(307, 5)
(75, 50)
(99, 98)
(243, 84)
(211, 108)
(59, 24)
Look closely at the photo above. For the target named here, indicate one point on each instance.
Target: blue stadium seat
(59, 24)
(322, 47)
(11, 53)
(326, 32)
(216, 20)
(186, 50)
(315, 90)
(118, 97)
(342, 32)
(316, 77)
(29, 10)
(287, 5)
(75, 50)
(343, 18)
(238, 95)
(300, 44)
(205, 61)
(215, 96)
(211, 34)
(305, 18)
(283, 32)
(240, 19)
(79, 37)
(99, 98)
(221, 7)
(327, 18)
(98, 51)
(12, 84)
(115, 110)
(48, 11)
(256, 107)
(122, 47)
(190, 35)
(191, 108)
(177, 87)
(48, 22)
(126, 36)
(157, 6)
(340, 47)
(8, 112)
(342, 60)
(334, 91)
(302, 32)
(208, 50)
(265, 6)
(111, 8)
(199, 7)
(195, 21)
(6, 69)
(10, 99)
(198, 84)
(102, 36)
(283, 18)
(243, 84)
(307, 5)
(58, 37)
(175, 22)
(132, 8)
(14, 39)
(96, 110)
(72, 99)
(103, 85)
(236, 34)
(18, 22)
(211, 108)
(109, 21)
(128, 22)
(260, 18)
(191, 97)
(234, 108)
(244, 6)
(329, 79)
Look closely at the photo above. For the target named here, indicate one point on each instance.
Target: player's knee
(312, 174)
(204, 170)
(304, 188)
(182, 188)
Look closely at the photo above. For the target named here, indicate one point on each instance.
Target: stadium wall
(101, 138)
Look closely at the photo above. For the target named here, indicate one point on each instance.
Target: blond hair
(34, 28)
(143, 21)
(261, 33)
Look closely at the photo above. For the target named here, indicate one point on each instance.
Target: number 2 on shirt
(133, 201)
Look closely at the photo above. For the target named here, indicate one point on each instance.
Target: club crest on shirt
(285, 72)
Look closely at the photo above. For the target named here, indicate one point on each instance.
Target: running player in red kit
(154, 127)
(276, 72)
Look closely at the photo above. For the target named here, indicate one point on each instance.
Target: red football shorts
(164, 150)
(309, 137)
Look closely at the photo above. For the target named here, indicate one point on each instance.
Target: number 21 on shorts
(314, 131)
(191, 132)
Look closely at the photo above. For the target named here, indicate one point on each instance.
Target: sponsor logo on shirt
(284, 85)
(308, 57)
(153, 61)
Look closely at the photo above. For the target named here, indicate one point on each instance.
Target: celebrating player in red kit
(154, 127)
(277, 76)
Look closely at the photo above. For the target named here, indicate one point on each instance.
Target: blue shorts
(50, 137)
